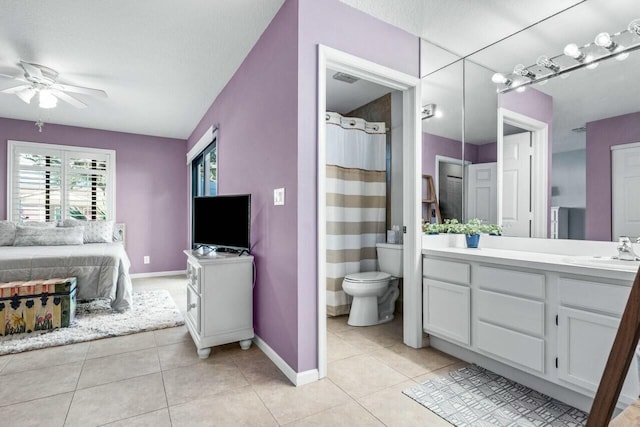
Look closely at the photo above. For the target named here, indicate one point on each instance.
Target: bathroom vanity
(547, 320)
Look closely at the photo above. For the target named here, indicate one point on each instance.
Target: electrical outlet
(278, 197)
(147, 259)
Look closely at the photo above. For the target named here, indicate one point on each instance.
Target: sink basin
(609, 263)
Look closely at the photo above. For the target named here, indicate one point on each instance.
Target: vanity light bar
(604, 46)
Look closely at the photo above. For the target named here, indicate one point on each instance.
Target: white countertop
(541, 261)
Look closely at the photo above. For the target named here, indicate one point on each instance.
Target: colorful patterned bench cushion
(37, 305)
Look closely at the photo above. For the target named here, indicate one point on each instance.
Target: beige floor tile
(182, 354)
(240, 407)
(172, 335)
(48, 411)
(152, 419)
(38, 383)
(413, 362)
(338, 348)
(351, 414)
(123, 344)
(362, 375)
(46, 357)
(116, 401)
(259, 370)
(202, 380)
(338, 324)
(4, 360)
(289, 403)
(117, 367)
(394, 408)
(442, 371)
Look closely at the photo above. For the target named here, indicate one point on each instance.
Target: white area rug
(95, 319)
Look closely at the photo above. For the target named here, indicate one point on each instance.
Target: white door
(516, 185)
(482, 199)
(625, 191)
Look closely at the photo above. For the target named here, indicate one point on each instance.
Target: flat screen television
(222, 222)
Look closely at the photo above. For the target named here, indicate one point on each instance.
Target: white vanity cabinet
(588, 319)
(447, 299)
(527, 321)
(219, 300)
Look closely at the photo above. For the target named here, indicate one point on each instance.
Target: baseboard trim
(157, 274)
(296, 378)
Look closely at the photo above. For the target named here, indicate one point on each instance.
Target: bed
(102, 269)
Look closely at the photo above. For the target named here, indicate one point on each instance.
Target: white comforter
(102, 269)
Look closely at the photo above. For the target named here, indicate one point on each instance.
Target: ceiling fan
(40, 80)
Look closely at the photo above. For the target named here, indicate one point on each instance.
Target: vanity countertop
(579, 265)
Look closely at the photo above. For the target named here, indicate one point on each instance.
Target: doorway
(409, 86)
(625, 190)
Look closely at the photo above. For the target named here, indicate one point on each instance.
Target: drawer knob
(192, 305)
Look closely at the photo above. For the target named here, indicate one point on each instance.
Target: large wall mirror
(558, 158)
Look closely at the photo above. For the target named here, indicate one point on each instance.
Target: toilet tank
(390, 258)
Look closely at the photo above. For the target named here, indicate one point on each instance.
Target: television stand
(219, 300)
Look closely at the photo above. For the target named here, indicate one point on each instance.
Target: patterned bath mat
(474, 396)
(95, 319)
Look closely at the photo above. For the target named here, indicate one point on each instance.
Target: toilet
(375, 292)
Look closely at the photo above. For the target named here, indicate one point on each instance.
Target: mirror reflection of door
(516, 192)
(625, 187)
(450, 189)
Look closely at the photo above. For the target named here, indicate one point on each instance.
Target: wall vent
(344, 77)
(580, 129)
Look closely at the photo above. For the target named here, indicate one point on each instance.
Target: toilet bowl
(375, 292)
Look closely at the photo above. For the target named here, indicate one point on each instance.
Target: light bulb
(634, 26)
(544, 61)
(498, 78)
(573, 51)
(47, 100)
(438, 113)
(603, 40)
(622, 56)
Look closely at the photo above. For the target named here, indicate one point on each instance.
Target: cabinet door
(194, 275)
(584, 343)
(447, 310)
(193, 309)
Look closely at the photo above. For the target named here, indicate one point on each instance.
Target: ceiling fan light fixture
(26, 95)
(47, 99)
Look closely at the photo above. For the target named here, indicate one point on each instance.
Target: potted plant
(474, 227)
(431, 228)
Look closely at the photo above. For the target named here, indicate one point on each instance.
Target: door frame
(613, 181)
(410, 87)
(539, 167)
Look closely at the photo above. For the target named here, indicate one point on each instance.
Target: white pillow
(7, 233)
(46, 236)
(48, 224)
(94, 231)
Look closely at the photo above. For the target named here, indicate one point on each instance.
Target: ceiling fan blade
(31, 69)
(27, 94)
(15, 89)
(79, 89)
(68, 98)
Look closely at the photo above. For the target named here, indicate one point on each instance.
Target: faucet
(625, 249)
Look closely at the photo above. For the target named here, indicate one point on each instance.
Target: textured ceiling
(162, 62)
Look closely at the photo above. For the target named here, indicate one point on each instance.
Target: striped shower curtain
(356, 201)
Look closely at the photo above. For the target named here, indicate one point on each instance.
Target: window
(55, 182)
(204, 172)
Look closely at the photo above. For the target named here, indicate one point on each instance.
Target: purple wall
(434, 145)
(539, 106)
(339, 26)
(487, 153)
(257, 152)
(601, 135)
(151, 186)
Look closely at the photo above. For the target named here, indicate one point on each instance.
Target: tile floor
(156, 379)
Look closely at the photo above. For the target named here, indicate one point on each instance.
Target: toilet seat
(368, 276)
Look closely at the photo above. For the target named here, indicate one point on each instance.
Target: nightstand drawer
(193, 308)
(194, 276)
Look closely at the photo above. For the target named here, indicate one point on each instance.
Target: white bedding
(102, 269)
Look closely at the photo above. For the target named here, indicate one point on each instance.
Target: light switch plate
(278, 197)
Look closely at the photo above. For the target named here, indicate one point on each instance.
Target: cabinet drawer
(520, 349)
(449, 271)
(512, 282)
(602, 297)
(511, 312)
(194, 276)
(447, 310)
(193, 308)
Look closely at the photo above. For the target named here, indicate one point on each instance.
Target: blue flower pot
(472, 240)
